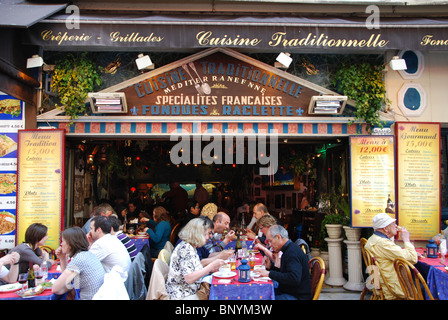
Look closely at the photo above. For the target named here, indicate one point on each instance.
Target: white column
(355, 279)
(335, 277)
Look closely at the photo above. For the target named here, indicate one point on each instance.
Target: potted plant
(74, 77)
(334, 205)
(363, 82)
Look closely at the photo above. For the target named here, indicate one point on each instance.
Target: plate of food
(27, 293)
(47, 285)
(223, 275)
(10, 287)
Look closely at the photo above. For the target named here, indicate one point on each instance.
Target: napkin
(443, 246)
(208, 279)
(263, 279)
(224, 281)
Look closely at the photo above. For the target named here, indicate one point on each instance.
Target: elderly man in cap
(385, 251)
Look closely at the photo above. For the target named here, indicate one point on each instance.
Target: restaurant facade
(216, 104)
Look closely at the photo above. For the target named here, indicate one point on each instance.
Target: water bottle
(244, 250)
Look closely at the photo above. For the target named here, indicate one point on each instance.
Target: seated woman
(162, 231)
(9, 275)
(192, 211)
(186, 270)
(84, 266)
(29, 251)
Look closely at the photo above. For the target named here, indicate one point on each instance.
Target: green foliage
(74, 77)
(337, 211)
(302, 164)
(363, 82)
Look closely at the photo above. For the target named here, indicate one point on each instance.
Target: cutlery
(205, 86)
(252, 245)
(196, 85)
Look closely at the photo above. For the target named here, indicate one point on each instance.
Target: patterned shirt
(184, 260)
(90, 274)
(130, 246)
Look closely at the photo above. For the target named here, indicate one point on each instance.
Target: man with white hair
(386, 251)
(292, 280)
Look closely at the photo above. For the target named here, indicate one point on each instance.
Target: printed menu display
(40, 183)
(418, 174)
(372, 178)
(11, 120)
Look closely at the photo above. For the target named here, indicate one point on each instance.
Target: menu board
(40, 182)
(11, 120)
(418, 176)
(372, 180)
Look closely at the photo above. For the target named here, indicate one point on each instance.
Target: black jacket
(293, 276)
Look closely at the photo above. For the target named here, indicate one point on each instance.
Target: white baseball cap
(382, 220)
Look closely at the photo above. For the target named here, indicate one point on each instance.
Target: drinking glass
(39, 275)
(44, 270)
(23, 278)
(232, 260)
(252, 262)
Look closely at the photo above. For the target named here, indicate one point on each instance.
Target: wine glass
(23, 277)
(39, 274)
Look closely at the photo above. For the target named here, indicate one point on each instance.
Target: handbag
(204, 291)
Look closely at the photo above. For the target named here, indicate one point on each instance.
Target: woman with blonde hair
(209, 210)
(186, 270)
(162, 230)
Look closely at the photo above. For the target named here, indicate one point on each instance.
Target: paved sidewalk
(338, 293)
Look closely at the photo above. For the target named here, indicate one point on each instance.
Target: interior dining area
(125, 170)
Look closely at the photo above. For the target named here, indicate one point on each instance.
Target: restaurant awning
(24, 14)
(250, 32)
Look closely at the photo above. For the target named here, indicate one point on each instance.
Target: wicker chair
(51, 251)
(317, 272)
(411, 285)
(378, 289)
(368, 287)
(174, 237)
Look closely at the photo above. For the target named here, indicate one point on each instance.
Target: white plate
(224, 275)
(11, 287)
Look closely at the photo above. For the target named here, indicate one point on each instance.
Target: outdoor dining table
(47, 294)
(232, 289)
(433, 270)
(139, 241)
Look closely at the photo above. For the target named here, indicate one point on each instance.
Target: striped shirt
(130, 246)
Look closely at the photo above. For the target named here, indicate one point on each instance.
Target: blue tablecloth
(140, 242)
(438, 283)
(242, 291)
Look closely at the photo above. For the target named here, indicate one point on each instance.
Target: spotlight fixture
(327, 104)
(144, 62)
(283, 60)
(34, 62)
(398, 64)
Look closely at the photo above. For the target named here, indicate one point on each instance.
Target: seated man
(386, 251)
(221, 222)
(292, 280)
(107, 247)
